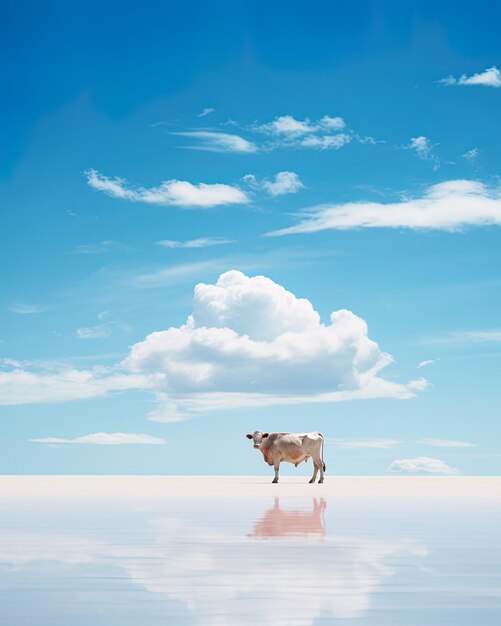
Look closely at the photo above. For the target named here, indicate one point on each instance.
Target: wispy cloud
(285, 131)
(446, 443)
(420, 465)
(425, 363)
(450, 206)
(206, 111)
(490, 77)
(105, 439)
(213, 141)
(364, 443)
(202, 242)
(23, 308)
(101, 330)
(176, 273)
(468, 336)
(169, 193)
(93, 332)
(423, 147)
(471, 155)
(97, 248)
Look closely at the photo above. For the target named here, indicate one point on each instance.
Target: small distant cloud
(212, 141)
(289, 132)
(446, 443)
(420, 465)
(424, 149)
(490, 77)
(364, 443)
(25, 309)
(169, 193)
(287, 125)
(102, 330)
(105, 439)
(326, 142)
(93, 332)
(283, 183)
(424, 363)
(202, 242)
(471, 156)
(206, 111)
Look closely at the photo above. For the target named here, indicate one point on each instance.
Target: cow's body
(293, 448)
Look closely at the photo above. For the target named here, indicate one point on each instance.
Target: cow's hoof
(311, 481)
(275, 480)
(321, 480)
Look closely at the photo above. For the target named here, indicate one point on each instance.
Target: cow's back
(285, 445)
(311, 442)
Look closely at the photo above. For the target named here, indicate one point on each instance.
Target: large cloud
(450, 206)
(248, 342)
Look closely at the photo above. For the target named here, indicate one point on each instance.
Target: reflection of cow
(279, 523)
(291, 447)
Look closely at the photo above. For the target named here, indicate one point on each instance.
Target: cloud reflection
(224, 576)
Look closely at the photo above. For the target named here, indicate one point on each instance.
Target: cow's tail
(323, 464)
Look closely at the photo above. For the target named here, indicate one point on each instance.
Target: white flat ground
(473, 488)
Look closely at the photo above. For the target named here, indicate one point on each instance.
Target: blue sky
(347, 154)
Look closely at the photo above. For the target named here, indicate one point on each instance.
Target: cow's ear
(248, 436)
(266, 435)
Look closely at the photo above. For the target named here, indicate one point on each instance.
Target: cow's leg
(318, 462)
(276, 466)
(315, 471)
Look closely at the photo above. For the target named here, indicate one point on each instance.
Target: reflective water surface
(239, 551)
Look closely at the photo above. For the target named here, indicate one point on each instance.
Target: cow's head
(257, 436)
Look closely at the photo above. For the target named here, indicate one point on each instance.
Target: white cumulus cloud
(451, 205)
(283, 183)
(105, 439)
(250, 341)
(421, 465)
(169, 193)
(490, 77)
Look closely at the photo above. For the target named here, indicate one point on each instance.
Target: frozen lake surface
(230, 551)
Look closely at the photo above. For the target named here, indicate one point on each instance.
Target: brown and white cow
(293, 448)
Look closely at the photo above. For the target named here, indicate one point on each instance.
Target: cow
(291, 447)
